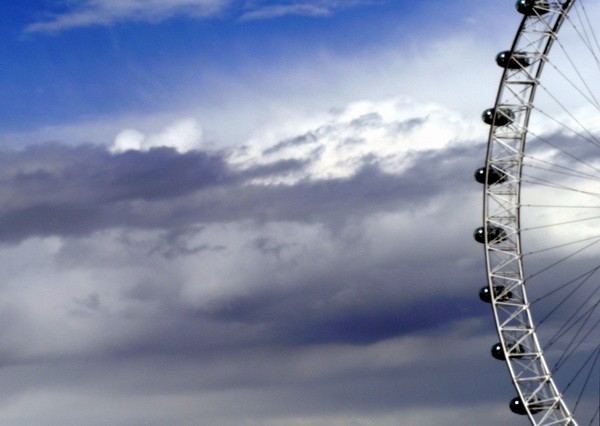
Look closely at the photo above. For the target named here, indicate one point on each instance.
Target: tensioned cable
(562, 332)
(589, 358)
(597, 352)
(560, 245)
(586, 40)
(593, 102)
(594, 416)
(580, 176)
(572, 350)
(559, 223)
(576, 172)
(567, 325)
(546, 141)
(561, 187)
(562, 260)
(593, 141)
(591, 30)
(558, 206)
(574, 280)
(589, 24)
(587, 379)
(539, 178)
(585, 37)
(567, 297)
(557, 41)
(543, 182)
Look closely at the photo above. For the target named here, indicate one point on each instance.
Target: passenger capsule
(498, 352)
(486, 296)
(517, 407)
(479, 235)
(514, 350)
(532, 7)
(502, 117)
(516, 61)
(495, 175)
(494, 234)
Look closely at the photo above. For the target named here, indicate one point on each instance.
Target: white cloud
(85, 13)
(257, 9)
(282, 10)
(339, 143)
(104, 12)
(115, 290)
(184, 135)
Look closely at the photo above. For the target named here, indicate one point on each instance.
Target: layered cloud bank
(313, 259)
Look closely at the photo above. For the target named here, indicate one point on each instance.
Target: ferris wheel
(541, 229)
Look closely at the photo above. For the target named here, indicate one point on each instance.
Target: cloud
(258, 10)
(323, 268)
(162, 180)
(84, 13)
(323, 273)
(184, 135)
(64, 190)
(243, 215)
(267, 278)
(382, 383)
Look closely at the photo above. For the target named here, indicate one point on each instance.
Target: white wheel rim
(528, 368)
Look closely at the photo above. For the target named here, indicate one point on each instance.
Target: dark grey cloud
(54, 173)
(269, 337)
(370, 120)
(55, 189)
(308, 138)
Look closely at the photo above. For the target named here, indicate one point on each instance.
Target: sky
(246, 212)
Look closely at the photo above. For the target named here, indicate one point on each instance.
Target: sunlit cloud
(84, 13)
(258, 9)
(183, 135)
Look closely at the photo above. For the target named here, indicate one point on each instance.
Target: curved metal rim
(506, 144)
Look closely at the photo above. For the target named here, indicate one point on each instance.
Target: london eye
(541, 213)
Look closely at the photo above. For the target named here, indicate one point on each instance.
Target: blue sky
(235, 212)
(132, 65)
(166, 60)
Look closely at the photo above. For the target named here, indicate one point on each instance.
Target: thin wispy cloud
(318, 8)
(84, 13)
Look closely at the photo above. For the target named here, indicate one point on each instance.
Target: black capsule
(532, 7)
(517, 407)
(494, 235)
(501, 117)
(517, 60)
(479, 235)
(486, 296)
(498, 352)
(495, 175)
(515, 351)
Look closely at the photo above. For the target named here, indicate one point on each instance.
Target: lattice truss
(514, 103)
